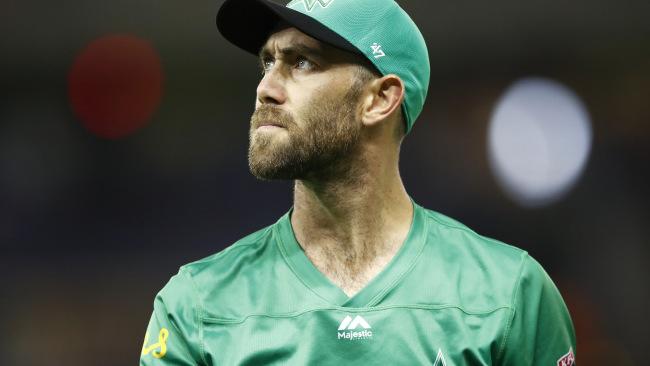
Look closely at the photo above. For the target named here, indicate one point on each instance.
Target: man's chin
(269, 139)
(266, 161)
(268, 173)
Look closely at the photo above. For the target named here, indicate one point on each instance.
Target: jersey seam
(215, 320)
(198, 313)
(240, 244)
(470, 231)
(513, 307)
(220, 254)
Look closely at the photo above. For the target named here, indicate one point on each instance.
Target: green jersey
(448, 297)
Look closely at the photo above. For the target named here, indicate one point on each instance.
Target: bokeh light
(539, 141)
(115, 85)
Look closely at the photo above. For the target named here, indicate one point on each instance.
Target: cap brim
(248, 23)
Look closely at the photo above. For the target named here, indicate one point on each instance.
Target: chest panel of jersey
(394, 335)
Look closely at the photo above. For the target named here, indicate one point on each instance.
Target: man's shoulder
(248, 277)
(232, 256)
(475, 272)
(459, 238)
(218, 283)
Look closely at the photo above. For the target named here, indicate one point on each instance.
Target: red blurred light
(115, 85)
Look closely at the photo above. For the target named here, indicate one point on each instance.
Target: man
(356, 272)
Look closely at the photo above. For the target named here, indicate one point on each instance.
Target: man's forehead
(284, 37)
(289, 39)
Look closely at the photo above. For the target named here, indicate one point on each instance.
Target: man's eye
(303, 63)
(267, 65)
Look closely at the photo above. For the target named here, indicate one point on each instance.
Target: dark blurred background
(94, 221)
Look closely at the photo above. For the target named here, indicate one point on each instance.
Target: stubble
(318, 146)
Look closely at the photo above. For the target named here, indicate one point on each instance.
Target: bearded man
(356, 271)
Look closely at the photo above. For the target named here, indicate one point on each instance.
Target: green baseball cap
(380, 30)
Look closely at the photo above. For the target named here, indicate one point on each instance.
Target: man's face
(305, 120)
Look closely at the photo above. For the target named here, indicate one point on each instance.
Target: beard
(319, 146)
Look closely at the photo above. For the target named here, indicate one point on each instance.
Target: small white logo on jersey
(440, 359)
(309, 4)
(348, 325)
(377, 51)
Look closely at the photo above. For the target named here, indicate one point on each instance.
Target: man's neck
(350, 228)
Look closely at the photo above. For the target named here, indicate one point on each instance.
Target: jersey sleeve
(173, 334)
(539, 331)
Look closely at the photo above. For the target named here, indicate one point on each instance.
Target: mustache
(269, 115)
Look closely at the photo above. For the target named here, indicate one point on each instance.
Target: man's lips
(270, 125)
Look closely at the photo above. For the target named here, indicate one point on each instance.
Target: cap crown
(383, 32)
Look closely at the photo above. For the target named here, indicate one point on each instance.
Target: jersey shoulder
(473, 272)
(249, 277)
(463, 236)
(224, 271)
(229, 256)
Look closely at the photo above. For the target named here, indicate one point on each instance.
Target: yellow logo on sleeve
(162, 344)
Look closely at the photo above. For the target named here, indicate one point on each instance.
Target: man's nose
(271, 88)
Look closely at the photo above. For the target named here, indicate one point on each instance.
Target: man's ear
(385, 96)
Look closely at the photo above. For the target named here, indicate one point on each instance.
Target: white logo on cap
(377, 51)
(309, 4)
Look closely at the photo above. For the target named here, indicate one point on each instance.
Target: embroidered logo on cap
(377, 51)
(309, 4)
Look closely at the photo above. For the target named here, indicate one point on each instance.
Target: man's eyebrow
(295, 49)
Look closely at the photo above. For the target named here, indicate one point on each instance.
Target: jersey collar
(377, 288)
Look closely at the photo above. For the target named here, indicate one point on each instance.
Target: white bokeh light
(539, 141)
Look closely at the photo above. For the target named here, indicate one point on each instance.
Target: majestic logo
(161, 344)
(567, 360)
(440, 359)
(309, 4)
(377, 51)
(348, 326)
